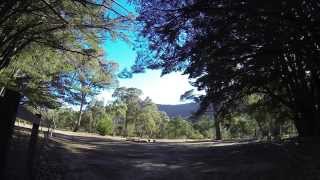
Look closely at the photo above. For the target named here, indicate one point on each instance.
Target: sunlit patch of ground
(86, 156)
(90, 157)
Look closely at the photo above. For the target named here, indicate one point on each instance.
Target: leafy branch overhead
(60, 24)
(233, 49)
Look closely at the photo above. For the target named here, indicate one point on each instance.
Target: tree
(137, 117)
(59, 24)
(205, 126)
(148, 119)
(118, 111)
(105, 125)
(237, 48)
(66, 118)
(241, 126)
(179, 128)
(63, 25)
(272, 118)
(88, 78)
(40, 29)
(33, 75)
(28, 80)
(130, 97)
(162, 125)
(206, 107)
(97, 110)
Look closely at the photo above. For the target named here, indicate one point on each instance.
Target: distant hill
(183, 110)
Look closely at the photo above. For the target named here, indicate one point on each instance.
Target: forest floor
(90, 157)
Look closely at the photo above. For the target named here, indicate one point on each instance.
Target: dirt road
(93, 158)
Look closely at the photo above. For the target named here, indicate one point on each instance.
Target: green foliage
(127, 95)
(233, 49)
(52, 50)
(196, 135)
(272, 118)
(179, 128)
(34, 74)
(88, 77)
(64, 25)
(118, 111)
(130, 98)
(105, 125)
(133, 116)
(65, 118)
(204, 126)
(241, 126)
(130, 116)
(95, 111)
(260, 117)
(162, 125)
(145, 124)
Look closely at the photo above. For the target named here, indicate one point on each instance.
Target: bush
(105, 125)
(196, 135)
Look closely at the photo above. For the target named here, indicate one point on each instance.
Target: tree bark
(125, 134)
(8, 109)
(217, 129)
(216, 123)
(276, 130)
(76, 127)
(90, 124)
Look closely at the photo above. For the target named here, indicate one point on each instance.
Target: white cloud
(162, 90)
(166, 89)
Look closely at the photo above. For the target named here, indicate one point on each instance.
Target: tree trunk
(218, 130)
(54, 126)
(90, 124)
(216, 124)
(276, 130)
(77, 126)
(125, 133)
(8, 108)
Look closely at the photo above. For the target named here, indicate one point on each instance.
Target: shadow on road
(99, 158)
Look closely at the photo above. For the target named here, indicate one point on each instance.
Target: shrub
(105, 125)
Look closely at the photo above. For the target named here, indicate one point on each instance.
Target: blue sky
(162, 90)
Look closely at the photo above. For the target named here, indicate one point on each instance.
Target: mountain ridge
(176, 110)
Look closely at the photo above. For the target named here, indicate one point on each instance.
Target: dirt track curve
(94, 158)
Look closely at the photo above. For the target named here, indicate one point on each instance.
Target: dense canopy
(65, 25)
(236, 48)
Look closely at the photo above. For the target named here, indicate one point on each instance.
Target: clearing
(82, 156)
(92, 157)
